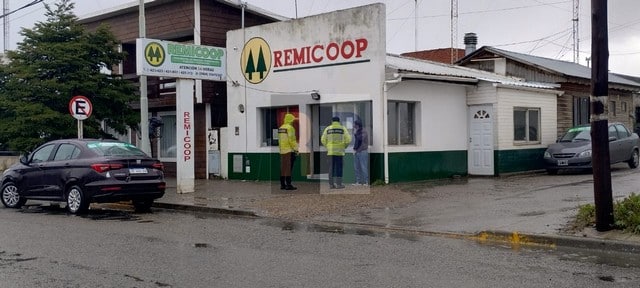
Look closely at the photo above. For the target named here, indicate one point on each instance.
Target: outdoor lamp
(315, 95)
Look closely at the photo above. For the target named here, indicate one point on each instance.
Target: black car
(573, 149)
(81, 171)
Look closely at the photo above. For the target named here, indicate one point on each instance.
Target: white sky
(537, 27)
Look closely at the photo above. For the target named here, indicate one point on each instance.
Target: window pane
(533, 125)
(393, 123)
(405, 112)
(519, 125)
(168, 139)
(65, 152)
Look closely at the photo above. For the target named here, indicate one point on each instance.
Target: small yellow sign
(255, 62)
(154, 54)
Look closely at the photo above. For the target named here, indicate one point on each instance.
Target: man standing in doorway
(361, 157)
(288, 151)
(335, 138)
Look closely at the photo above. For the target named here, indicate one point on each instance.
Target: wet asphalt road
(45, 247)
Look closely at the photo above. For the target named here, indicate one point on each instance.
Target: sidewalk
(533, 208)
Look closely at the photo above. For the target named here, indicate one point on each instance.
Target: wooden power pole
(599, 123)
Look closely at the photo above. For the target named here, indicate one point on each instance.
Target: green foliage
(627, 214)
(57, 60)
(586, 216)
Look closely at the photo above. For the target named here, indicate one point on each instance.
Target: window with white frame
(526, 125)
(401, 123)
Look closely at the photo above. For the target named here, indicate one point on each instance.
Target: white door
(481, 140)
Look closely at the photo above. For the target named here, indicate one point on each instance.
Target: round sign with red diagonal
(80, 107)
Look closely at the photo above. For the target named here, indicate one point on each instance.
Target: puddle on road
(337, 229)
(93, 214)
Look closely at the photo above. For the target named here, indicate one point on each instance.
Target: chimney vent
(470, 41)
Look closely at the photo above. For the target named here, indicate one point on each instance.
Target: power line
(34, 2)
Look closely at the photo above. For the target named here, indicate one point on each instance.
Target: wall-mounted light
(315, 95)
(241, 108)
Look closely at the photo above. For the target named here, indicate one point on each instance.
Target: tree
(57, 60)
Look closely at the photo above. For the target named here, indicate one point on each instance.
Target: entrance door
(481, 140)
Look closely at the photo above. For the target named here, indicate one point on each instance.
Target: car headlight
(547, 155)
(585, 154)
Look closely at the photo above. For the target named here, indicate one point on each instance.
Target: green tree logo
(154, 54)
(256, 70)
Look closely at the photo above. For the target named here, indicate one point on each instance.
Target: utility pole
(144, 101)
(599, 123)
(5, 22)
(575, 32)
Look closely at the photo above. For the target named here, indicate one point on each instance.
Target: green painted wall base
(403, 167)
(510, 161)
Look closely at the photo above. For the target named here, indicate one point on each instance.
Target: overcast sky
(537, 27)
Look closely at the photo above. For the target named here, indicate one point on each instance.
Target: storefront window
(526, 125)
(401, 123)
(272, 119)
(167, 142)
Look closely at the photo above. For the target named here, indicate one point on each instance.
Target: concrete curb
(512, 238)
(184, 207)
(554, 241)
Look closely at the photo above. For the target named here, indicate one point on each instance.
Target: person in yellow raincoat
(288, 150)
(335, 138)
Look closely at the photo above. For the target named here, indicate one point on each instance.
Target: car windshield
(115, 149)
(577, 134)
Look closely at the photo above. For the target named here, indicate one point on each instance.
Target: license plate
(563, 162)
(137, 170)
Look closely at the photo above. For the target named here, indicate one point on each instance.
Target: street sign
(80, 107)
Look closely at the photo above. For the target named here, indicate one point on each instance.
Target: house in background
(574, 80)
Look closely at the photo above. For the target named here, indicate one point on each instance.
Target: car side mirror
(24, 159)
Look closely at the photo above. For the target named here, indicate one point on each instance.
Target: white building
(425, 120)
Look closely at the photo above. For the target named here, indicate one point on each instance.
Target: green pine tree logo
(256, 70)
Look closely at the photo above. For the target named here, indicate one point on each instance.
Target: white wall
(509, 98)
(350, 77)
(441, 115)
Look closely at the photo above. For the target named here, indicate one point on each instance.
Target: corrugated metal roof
(558, 66)
(133, 6)
(440, 69)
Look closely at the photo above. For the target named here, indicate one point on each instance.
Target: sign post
(80, 108)
(186, 62)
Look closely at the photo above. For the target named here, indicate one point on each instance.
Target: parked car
(79, 172)
(573, 149)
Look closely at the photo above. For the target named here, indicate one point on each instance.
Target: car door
(624, 143)
(32, 180)
(57, 170)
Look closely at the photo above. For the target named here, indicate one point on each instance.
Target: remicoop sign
(257, 59)
(180, 60)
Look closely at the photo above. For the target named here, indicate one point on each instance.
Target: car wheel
(552, 171)
(77, 203)
(142, 206)
(10, 196)
(635, 158)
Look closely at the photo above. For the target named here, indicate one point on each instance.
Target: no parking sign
(80, 107)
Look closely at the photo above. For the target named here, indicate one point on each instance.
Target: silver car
(573, 149)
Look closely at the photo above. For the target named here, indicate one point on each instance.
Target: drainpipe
(385, 126)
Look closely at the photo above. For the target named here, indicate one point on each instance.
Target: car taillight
(104, 167)
(158, 166)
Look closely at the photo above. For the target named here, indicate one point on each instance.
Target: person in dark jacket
(361, 154)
